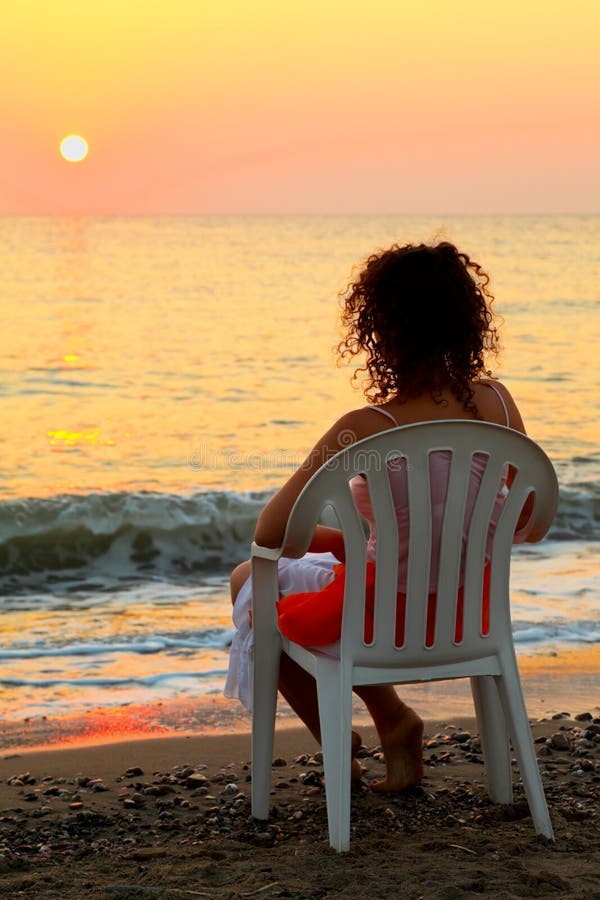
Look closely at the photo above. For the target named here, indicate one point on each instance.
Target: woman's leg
(299, 689)
(400, 731)
(399, 727)
(239, 575)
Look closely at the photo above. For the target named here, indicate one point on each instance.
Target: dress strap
(385, 412)
(491, 385)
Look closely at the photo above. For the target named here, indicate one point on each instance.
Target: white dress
(310, 573)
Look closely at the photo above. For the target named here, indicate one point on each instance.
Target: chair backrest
(474, 539)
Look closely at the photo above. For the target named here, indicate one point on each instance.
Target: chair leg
(266, 679)
(335, 713)
(494, 737)
(511, 695)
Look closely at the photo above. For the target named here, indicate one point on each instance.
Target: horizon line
(294, 215)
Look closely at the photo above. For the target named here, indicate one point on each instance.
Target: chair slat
(356, 561)
(477, 538)
(419, 552)
(386, 563)
(451, 547)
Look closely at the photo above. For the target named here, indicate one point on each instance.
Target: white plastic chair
(488, 660)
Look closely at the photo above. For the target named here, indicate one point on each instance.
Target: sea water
(162, 376)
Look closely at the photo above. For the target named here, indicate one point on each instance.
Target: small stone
(96, 784)
(279, 762)
(263, 838)
(133, 801)
(462, 736)
(231, 788)
(310, 779)
(583, 717)
(196, 779)
(133, 771)
(158, 790)
(76, 805)
(560, 741)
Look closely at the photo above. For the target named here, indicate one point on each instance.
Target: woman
(422, 316)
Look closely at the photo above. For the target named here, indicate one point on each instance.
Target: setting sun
(73, 148)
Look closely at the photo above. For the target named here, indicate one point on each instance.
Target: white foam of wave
(79, 543)
(145, 681)
(211, 639)
(586, 632)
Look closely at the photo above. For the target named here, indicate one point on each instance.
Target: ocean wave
(214, 638)
(527, 636)
(584, 631)
(146, 681)
(99, 541)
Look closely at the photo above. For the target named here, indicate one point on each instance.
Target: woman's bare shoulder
(492, 385)
(360, 423)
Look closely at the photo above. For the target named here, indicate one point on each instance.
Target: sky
(311, 107)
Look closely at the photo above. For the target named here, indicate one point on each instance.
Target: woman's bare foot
(402, 747)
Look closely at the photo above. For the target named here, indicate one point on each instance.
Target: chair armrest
(265, 593)
(272, 553)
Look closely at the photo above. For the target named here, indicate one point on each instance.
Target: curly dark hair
(422, 314)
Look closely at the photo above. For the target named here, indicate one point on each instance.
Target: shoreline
(565, 680)
(170, 816)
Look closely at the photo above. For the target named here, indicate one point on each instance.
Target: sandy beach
(170, 817)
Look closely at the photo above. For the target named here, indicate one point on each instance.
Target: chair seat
(309, 660)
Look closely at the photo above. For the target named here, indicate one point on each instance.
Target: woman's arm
(272, 521)
(524, 532)
(328, 540)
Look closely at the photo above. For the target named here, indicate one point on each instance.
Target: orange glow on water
(136, 354)
(62, 437)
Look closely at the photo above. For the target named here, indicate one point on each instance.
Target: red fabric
(314, 618)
